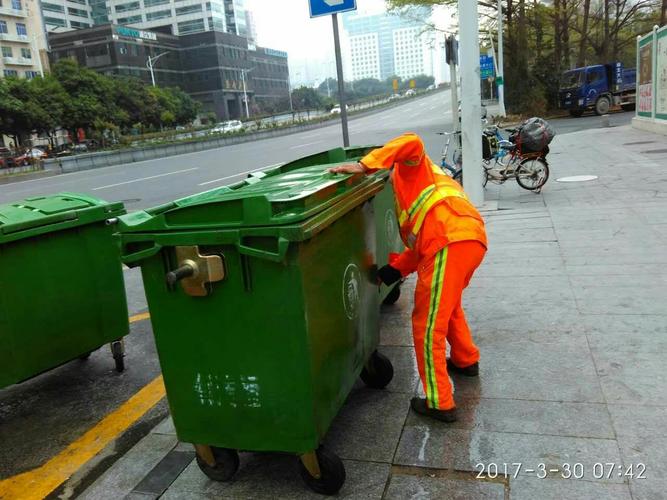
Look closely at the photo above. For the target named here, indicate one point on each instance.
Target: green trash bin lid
(275, 197)
(39, 215)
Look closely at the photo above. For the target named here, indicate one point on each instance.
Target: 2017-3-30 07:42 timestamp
(576, 470)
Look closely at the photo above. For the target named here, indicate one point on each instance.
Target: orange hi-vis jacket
(432, 209)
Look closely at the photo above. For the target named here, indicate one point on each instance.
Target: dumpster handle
(278, 256)
(141, 254)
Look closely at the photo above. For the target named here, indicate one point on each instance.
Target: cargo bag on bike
(489, 146)
(534, 135)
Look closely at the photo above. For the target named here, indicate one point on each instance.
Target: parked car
(336, 109)
(29, 156)
(410, 92)
(6, 158)
(395, 96)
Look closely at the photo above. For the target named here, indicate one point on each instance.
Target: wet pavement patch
(164, 473)
(638, 143)
(655, 151)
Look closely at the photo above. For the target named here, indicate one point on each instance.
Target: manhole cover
(638, 143)
(577, 178)
(655, 151)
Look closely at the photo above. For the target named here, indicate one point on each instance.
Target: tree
(306, 99)
(51, 101)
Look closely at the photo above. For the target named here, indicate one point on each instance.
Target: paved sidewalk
(569, 311)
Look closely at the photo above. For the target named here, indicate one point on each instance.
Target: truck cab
(597, 88)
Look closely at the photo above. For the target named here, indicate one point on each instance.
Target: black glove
(389, 275)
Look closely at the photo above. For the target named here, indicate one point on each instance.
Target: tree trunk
(558, 50)
(663, 14)
(581, 59)
(565, 27)
(539, 34)
(605, 41)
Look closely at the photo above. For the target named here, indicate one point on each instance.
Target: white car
(225, 127)
(395, 96)
(336, 109)
(409, 92)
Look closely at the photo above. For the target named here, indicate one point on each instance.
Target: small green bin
(61, 283)
(265, 311)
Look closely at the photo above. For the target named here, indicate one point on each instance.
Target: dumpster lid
(37, 215)
(278, 196)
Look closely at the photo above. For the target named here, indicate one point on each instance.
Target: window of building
(21, 29)
(31, 74)
(124, 7)
(78, 25)
(51, 21)
(191, 26)
(216, 24)
(10, 72)
(77, 12)
(26, 54)
(150, 3)
(7, 52)
(130, 19)
(16, 4)
(3, 26)
(160, 14)
(188, 10)
(51, 7)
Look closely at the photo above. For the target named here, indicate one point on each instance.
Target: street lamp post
(151, 62)
(245, 92)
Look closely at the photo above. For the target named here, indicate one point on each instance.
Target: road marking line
(304, 145)
(145, 178)
(139, 317)
(240, 173)
(311, 136)
(40, 482)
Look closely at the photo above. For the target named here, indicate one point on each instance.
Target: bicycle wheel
(458, 176)
(532, 173)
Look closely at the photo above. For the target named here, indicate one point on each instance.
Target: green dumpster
(388, 237)
(61, 283)
(264, 306)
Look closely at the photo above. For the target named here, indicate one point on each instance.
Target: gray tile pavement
(569, 312)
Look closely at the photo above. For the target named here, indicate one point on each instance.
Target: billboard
(661, 76)
(645, 78)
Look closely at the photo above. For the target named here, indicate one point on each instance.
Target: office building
(385, 45)
(177, 17)
(211, 66)
(22, 39)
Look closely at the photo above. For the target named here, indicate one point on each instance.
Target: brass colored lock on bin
(195, 271)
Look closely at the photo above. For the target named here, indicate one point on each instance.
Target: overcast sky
(286, 25)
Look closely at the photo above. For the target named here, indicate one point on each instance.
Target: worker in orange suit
(446, 241)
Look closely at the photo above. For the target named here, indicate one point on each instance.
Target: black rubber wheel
(84, 357)
(118, 353)
(576, 112)
(226, 464)
(392, 296)
(602, 106)
(378, 372)
(532, 174)
(332, 473)
(458, 177)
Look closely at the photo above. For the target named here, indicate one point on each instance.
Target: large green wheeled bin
(388, 237)
(61, 283)
(265, 307)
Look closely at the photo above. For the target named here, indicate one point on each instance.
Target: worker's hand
(352, 168)
(389, 275)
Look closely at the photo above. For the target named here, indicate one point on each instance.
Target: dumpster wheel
(322, 471)
(118, 353)
(393, 296)
(378, 371)
(225, 462)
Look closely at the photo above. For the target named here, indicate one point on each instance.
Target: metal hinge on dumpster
(196, 271)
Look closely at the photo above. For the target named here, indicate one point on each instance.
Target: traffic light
(451, 50)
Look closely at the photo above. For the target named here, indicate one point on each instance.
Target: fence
(651, 111)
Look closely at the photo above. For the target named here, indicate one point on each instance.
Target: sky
(286, 25)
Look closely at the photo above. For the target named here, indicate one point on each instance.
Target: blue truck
(597, 88)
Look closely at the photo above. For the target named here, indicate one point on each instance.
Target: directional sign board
(327, 7)
(485, 66)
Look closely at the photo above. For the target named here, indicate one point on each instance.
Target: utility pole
(452, 57)
(500, 71)
(150, 63)
(245, 92)
(471, 102)
(341, 82)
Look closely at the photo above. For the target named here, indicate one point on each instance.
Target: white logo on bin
(351, 292)
(390, 226)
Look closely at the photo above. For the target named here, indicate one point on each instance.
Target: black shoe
(466, 371)
(419, 405)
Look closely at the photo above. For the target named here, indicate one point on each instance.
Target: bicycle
(530, 169)
(455, 169)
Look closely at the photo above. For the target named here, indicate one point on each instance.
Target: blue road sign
(485, 66)
(327, 7)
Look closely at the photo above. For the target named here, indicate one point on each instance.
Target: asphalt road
(40, 417)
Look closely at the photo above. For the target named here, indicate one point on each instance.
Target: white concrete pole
(500, 71)
(455, 97)
(471, 102)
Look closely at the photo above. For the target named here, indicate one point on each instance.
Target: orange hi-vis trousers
(438, 317)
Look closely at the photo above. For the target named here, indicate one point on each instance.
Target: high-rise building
(386, 45)
(22, 39)
(178, 17)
